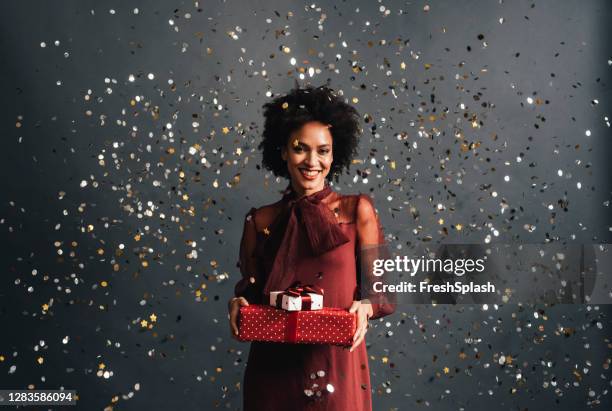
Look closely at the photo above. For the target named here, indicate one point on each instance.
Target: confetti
(123, 208)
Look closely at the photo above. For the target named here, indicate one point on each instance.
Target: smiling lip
(309, 174)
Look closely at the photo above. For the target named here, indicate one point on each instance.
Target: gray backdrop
(483, 121)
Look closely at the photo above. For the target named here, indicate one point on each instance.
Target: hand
(364, 312)
(234, 309)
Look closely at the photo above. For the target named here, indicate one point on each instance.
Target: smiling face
(309, 157)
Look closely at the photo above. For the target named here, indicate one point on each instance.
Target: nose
(311, 158)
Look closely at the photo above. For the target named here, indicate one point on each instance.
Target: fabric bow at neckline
(306, 218)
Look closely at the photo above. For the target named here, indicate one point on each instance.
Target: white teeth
(309, 173)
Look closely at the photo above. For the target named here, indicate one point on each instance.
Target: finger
(362, 319)
(234, 314)
(234, 328)
(357, 342)
(356, 335)
(354, 306)
(359, 333)
(233, 324)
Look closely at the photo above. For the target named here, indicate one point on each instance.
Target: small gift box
(326, 326)
(298, 298)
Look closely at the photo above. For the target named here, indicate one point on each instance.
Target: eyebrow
(320, 146)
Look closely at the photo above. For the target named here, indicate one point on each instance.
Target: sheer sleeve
(249, 286)
(371, 246)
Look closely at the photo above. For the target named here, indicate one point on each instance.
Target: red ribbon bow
(298, 290)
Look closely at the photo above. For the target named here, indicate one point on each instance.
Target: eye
(298, 149)
(324, 151)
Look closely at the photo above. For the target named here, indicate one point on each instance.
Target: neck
(301, 192)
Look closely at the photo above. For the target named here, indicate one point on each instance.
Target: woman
(312, 235)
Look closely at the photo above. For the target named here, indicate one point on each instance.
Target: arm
(248, 287)
(372, 246)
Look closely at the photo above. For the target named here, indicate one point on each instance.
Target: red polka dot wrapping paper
(326, 326)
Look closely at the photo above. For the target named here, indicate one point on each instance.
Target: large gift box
(326, 326)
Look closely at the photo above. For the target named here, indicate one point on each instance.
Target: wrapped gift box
(311, 301)
(326, 326)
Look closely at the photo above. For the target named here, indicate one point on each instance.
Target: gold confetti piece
(355, 100)
(403, 65)
(296, 142)
(393, 165)
(40, 360)
(137, 237)
(143, 323)
(103, 283)
(285, 105)
(427, 66)
(45, 307)
(446, 370)
(101, 366)
(266, 231)
(225, 130)
(153, 318)
(459, 227)
(385, 360)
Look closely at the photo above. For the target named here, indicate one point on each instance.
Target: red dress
(298, 377)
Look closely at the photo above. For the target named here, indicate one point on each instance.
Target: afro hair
(288, 113)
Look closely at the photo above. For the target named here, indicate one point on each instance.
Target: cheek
(328, 161)
(293, 159)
